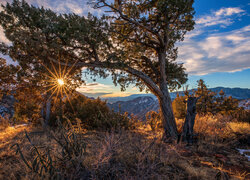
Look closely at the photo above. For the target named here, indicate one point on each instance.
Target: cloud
(118, 94)
(218, 52)
(95, 87)
(207, 51)
(95, 95)
(221, 17)
(80, 7)
(228, 11)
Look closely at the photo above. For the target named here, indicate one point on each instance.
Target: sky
(217, 50)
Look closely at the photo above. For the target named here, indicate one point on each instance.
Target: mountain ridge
(237, 93)
(140, 104)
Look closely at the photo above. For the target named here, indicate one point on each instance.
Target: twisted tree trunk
(168, 119)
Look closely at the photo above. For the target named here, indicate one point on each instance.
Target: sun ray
(50, 71)
(57, 75)
(50, 77)
(71, 68)
(59, 60)
(57, 79)
(54, 86)
(64, 69)
(57, 93)
(53, 92)
(68, 99)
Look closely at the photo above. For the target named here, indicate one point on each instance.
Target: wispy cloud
(118, 94)
(229, 11)
(207, 51)
(95, 87)
(221, 17)
(95, 95)
(80, 7)
(218, 52)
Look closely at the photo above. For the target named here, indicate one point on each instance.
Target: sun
(57, 81)
(60, 82)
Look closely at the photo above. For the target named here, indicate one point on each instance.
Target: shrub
(179, 107)
(93, 113)
(27, 108)
(65, 162)
(154, 120)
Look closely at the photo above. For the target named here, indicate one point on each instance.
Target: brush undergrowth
(70, 152)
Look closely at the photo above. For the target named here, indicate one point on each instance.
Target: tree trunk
(188, 128)
(43, 110)
(48, 108)
(165, 102)
(168, 119)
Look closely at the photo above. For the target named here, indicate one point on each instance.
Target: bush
(65, 162)
(93, 113)
(26, 107)
(154, 120)
(179, 107)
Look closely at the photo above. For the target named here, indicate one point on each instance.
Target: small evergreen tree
(179, 107)
(206, 103)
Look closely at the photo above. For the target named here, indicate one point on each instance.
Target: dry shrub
(129, 156)
(153, 119)
(73, 153)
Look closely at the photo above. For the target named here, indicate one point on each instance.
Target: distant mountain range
(140, 104)
(238, 93)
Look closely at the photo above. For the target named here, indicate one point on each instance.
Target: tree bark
(168, 119)
(188, 128)
(48, 109)
(165, 102)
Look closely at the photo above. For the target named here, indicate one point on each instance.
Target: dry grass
(138, 154)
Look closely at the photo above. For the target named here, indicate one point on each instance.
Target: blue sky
(217, 50)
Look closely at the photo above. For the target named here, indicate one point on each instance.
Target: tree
(206, 103)
(138, 39)
(179, 106)
(36, 72)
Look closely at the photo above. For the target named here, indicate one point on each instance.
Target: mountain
(245, 104)
(127, 98)
(237, 93)
(138, 106)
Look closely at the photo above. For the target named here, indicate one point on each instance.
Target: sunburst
(57, 81)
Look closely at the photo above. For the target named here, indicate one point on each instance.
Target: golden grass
(238, 127)
(138, 154)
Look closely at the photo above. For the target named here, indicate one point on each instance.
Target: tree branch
(145, 78)
(126, 18)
